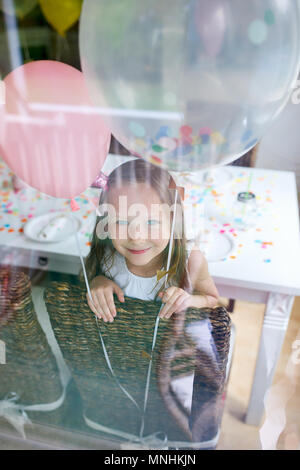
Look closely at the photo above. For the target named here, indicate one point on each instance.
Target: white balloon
(190, 84)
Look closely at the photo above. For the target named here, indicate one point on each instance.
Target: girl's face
(139, 223)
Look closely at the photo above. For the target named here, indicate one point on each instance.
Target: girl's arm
(204, 292)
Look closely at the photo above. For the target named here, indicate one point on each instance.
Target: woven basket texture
(128, 341)
(30, 370)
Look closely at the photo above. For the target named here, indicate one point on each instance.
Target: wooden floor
(235, 434)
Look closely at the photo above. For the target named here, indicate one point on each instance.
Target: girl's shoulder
(197, 265)
(191, 247)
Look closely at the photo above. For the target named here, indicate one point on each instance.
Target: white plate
(219, 246)
(216, 177)
(35, 225)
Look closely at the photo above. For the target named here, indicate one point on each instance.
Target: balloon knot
(74, 206)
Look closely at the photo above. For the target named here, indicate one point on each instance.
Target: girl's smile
(138, 252)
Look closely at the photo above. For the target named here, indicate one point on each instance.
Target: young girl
(128, 251)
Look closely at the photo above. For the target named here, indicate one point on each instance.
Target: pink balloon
(211, 24)
(52, 137)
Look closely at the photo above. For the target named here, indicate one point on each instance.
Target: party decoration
(61, 14)
(195, 88)
(74, 206)
(20, 8)
(101, 181)
(163, 272)
(52, 137)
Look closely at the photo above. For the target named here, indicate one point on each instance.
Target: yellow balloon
(61, 14)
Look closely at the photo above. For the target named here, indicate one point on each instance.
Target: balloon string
(148, 374)
(157, 319)
(171, 236)
(99, 331)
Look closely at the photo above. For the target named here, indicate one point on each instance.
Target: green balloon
(21, 7)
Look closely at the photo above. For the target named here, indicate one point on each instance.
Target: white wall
(280, 148)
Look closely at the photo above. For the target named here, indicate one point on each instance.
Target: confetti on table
(263, 244)
(20, 208)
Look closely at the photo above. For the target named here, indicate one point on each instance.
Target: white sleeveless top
(144, 288)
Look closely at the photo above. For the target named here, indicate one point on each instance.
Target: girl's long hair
(140, 171)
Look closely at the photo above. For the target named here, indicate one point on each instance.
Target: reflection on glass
(56, 372)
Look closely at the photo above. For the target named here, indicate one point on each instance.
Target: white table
(262, 267)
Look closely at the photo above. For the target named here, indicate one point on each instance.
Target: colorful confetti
(18, 209)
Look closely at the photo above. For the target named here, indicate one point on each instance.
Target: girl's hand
(175, 300)
(102, 291)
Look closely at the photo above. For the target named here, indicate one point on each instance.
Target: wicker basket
(128, 342)
(30, 371)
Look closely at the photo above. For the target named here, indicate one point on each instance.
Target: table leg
(276, 318)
